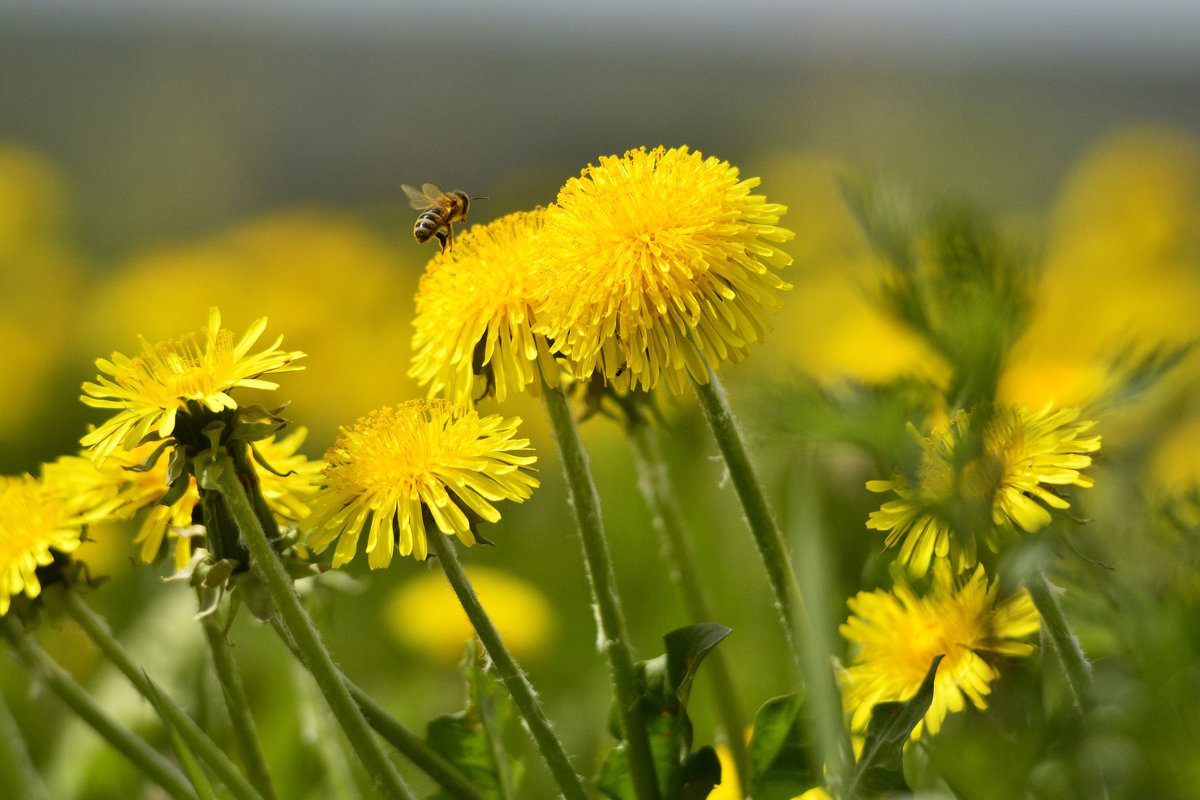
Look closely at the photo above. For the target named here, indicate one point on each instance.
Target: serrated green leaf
(880, 767)
(781, 759)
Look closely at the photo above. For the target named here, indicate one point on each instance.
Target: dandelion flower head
(426, 458)
(127, 492)
(36, 520)
(897, 635)
(1022, 457)
(149, 390)
(653, 259)
(474, 323)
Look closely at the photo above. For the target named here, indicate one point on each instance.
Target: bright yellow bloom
(35, 518)
(655, 258)
(149, 390)
(425, 614)
(474, 324)
(395, 467)
(122, 492)
(1022, 457)
(898, 634)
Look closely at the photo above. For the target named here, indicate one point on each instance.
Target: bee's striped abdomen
(428, 223)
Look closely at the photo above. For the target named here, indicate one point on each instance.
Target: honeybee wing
(420, 200)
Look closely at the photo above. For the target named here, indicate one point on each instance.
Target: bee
(438, 210)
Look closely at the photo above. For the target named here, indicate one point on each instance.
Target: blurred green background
(156, 159)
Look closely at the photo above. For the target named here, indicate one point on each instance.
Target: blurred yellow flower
(834, 329)
(149, 390)
(1125, 246)
(425, 614)
(431, 460)
(35, 519)
(897, 635)
(474, 324)
(655, 258)
(1021, 457)
(41, 277)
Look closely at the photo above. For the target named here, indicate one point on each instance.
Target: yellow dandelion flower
(654, 259)
(394, 467)
(474, 323)
(897, 635)
(123, 492)
(149, 390)
(1022, 457)
(35, 519)
(425, 614)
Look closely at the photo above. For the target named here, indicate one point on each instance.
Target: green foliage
(473, 739)
(880, 769)
(666, 682)
(781, 754)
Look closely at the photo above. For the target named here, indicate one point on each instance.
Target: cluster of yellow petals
(150, 389)
(646, 266)
(655, 259)
(394, 466)
(1023, 455)
(114, 488)
(36, 517)
(898, 634)
(475, 321)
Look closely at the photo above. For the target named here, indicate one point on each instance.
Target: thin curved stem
(17, 773)
(96, 629)
(399, 736)
(509, 672)
(1076, 668)
(265, 561)
(654, 480)
(614, 635)
(143, 756)
(238, 705)
(767, 537)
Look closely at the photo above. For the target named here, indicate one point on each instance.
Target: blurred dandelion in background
(424, 615)
(896, 635)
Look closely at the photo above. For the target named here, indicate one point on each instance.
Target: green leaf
(666, 683)
(701, 772)
(781, 762)
(686, 648)
(880, 767)
(472, 739)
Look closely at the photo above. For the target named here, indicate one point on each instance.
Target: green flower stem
(17, 772)
(308, 640)
(1075, 665)
(401, 737)
(655, 483)
(614, 635)
(238, 705)
(98, 632)
(143, 756)
(767, 537)
(510, 673)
